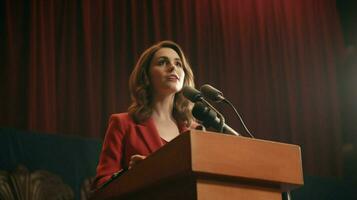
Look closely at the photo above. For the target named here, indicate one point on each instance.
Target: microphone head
(191, 94)
(211, 93)
(204, 114)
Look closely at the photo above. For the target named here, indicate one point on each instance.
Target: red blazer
(123, 139)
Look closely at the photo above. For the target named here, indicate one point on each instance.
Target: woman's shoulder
(121, 118)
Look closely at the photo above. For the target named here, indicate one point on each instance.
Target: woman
(158, 112)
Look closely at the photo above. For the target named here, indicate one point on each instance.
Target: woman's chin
(174, 87)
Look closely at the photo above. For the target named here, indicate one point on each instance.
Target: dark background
(288, 66)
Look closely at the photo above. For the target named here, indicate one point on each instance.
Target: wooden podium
(207, 165)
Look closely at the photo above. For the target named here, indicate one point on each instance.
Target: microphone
(192, 94)
(195, 96)
(212, 93)
(210, 119)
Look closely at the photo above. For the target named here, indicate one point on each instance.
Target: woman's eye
(162, 62)
(178, 64)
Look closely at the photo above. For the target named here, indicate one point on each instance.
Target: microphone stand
(220, 116)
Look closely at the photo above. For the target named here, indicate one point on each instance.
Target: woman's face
(166, 72)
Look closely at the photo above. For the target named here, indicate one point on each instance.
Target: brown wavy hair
(141, 88)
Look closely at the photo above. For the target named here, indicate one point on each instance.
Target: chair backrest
(37, 185)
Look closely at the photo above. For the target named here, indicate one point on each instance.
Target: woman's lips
(173, 78)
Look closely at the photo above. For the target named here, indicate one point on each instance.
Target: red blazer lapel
(150, 135)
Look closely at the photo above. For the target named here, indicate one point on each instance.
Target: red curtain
(66, 64)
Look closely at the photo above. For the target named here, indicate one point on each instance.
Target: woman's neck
(163, 107)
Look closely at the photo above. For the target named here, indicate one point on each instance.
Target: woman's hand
(135, 159)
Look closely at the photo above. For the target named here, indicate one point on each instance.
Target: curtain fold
(67, 63)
